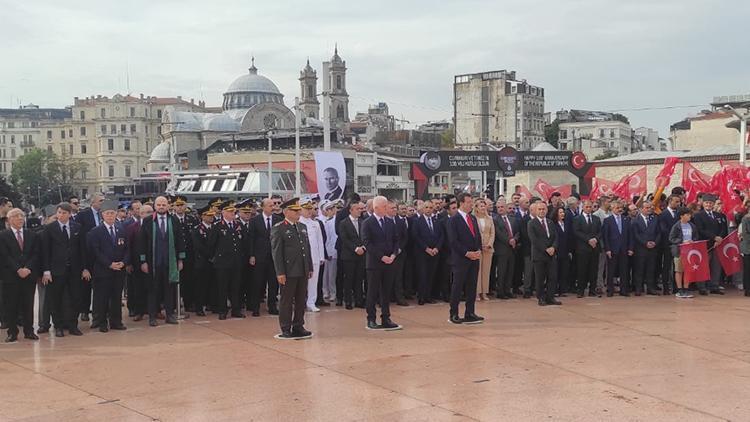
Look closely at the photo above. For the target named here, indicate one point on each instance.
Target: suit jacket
(709, 228)
(565, 237)
(260, 242)
(13, 258)
(745, 235)
(349, 239)
(105, 251)
(488, 233)
(461, 240)
(676, 238)
(584, 232)
(614, 241)
(145, 243)
(540, 240)
(502, 237)
(424, 237)
(379, 242)
(86, 219)
(133, 231)
(642, 233)
(525, 241)
(666, 221)
(60, 253)
(402, 231)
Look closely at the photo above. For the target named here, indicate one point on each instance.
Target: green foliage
(44, 178)
(621, 118)
(552, 133)
(448, 139)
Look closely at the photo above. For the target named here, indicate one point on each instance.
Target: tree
(552, 133)
(44, 178)
(448, 138)
(620, 117)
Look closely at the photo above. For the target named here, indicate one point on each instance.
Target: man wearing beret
(292, 261)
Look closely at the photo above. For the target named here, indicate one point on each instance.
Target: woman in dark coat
(564, 238)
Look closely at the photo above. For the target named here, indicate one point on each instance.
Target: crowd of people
(232, 258)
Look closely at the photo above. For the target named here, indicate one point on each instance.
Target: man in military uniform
(245, 210)
(225, 241)
(204, 276)
(187, 222)
(293, 264)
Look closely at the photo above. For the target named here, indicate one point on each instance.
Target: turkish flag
(694, 257)
(726, 183)
(546, 190)
(601, 187)
(631, 185)
(729, 253)
(523, 191)
(694, 181)
(665, 175)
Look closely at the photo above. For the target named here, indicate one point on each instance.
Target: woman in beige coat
(487, 231)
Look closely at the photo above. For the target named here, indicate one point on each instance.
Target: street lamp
(743, 128)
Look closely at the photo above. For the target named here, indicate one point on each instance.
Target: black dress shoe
(430, 301)
(138, 317)
(553, 302)
(747, 293)
(610, 294)
(579, 295)
(475, 317)
(84, 317)
(388, 324)
(75, 332)
(542, 302)
(42, 330)
(372, 325)
(300, 332)
(456, 320)
(402, 303)
(95, 325)
(200, 313)
(171, 319)
(420, 302)
(256, 313)
(359, 305)
(717, 292)
(118, 327)
(59, 332)
(638, 293)
(625, 294)
(703, 292)
(592, 294)
(153, 323)
(286, 334)
(222, 317)
(322, 304)
(339, 303)
(652, 293)
(349, 306)
(527, 295)
(273, 310)
(238, 315)
(31, 336)
(12, 338)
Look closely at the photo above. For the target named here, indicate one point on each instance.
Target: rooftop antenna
(127, 76)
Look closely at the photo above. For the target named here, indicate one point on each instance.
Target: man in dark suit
(587, 229)
(161, 251)
(204, 276)
(543, 238)
(88, 219)
(62, 269)
(428, 241)
(645, 239)
(666, 220)
(713, 227)
(618, 249)
(352, 257)
(245, 210)
(19, 252)
(523, 268)
(507, 241)
(225, 243)
(261, 258)
(466, 250)
(110, 248)
(381, 243)
(187, 274)
(137, 292)
(402, 230)
(442, 286)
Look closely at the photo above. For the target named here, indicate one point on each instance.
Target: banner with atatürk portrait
(331, 172)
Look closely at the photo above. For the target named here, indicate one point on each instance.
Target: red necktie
(470, 224)
(507, 224)
(19, 239)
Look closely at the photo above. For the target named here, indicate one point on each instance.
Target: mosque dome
(251, 89)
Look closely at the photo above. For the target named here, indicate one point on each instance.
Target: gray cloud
(587, 54)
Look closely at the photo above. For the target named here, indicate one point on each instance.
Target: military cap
(148, 201)
(179, 200)
(227, 206)
(709, 197)
(216, 202)
(247, 205)
(306, 202)
(206, 211)
(292, 204)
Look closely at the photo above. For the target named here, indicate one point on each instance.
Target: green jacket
(290, 249)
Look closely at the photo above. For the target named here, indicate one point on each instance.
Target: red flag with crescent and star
(666, 172)
(728, 251)
(524, 191)
(694, 257)
(546, 190)
(601, 187)
(694, 181)
(727, 183)
(631, 185)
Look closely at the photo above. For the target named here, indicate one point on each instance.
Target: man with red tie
(543, 237)
(466, 249)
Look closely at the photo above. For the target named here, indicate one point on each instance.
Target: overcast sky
(587, 54)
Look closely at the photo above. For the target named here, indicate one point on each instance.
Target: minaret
(308, 82)
(339, 96)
